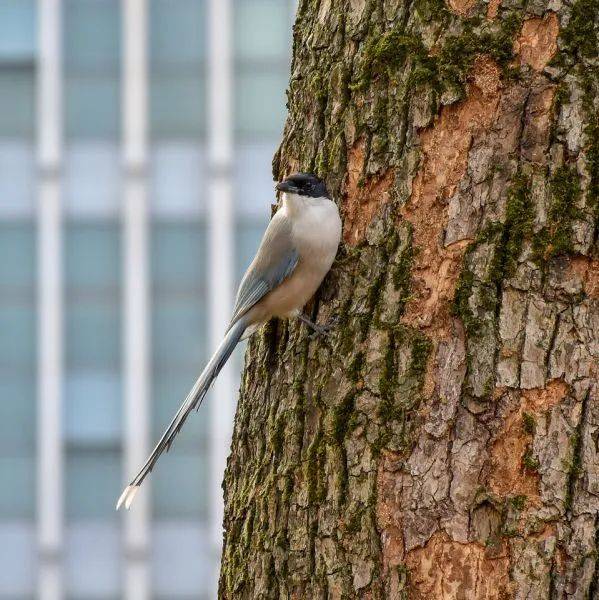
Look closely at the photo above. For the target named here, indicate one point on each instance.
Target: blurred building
(135, 145)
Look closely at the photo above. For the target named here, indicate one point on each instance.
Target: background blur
(136, 138)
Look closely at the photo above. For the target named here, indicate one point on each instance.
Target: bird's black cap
(304, 184)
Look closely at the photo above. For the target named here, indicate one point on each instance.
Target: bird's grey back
(275, 260)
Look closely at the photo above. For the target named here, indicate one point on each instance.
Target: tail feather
(193, 400)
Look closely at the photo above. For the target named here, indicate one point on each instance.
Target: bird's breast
(316, 233)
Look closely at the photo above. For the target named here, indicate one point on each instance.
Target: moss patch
(446, 70)
(579, 35)
(516, 228)
(556, 237)
(529, 423)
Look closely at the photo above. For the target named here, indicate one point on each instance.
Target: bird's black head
(304, 184)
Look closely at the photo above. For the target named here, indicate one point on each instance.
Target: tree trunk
(442, 442)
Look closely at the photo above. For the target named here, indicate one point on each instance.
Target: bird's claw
(319, 330)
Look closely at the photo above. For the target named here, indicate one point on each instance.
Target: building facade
(135, 145)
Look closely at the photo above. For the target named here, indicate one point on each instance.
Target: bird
(296, 252)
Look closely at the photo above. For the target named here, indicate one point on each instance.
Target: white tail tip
(127, 496)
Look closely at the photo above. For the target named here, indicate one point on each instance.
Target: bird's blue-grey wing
(275, 260)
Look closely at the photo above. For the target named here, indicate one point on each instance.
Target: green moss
(574, 467)
(288, 485)
(579, 36)
(354, 523)
(518, 502)
(387, 382)
(576, 444)
(556, 237)
(354, 370)
(278, 436)
(529, 461)
(382, 440)
(421, 348)
(374, 294)
(529, 423)
(458, 52)
(490, 232)
(432, 10)
(317, 85)
(397, 396)
(578, 42)
(383, 54)
(562, 95)
(313, 470)
(516, 228)
(402, 271)
(445, 70)
(590, 85)
(500, 43)
(342, 419)
(507, 239)
(461, 305)
(518, 221)
(509, 531)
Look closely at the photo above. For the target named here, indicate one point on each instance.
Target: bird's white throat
(294, 202)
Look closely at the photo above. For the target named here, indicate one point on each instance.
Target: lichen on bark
(441, 442)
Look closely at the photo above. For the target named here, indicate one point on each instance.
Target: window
(17, 177)
(17, 370)
(177, 179)
(178, 298)
(17, 406)
(18, 361)
(93, 342)
(261, 38)
(177, 94)
(93, 413)
(18, 28)
(88, 162)
(17, 36)
(261, 31)
(17, 110)
(179, 353)
(92, 54)
(17, 106)
(91, 37)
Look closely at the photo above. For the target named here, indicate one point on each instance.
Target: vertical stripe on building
(221, 243)
(50, 354)
(135, 286)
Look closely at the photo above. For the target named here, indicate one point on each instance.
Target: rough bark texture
(443, 442)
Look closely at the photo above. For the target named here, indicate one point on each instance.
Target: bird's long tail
(193, 400)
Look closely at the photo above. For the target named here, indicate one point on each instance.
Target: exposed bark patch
(461, 7)
(537, 42)
(509, 475)
(537, 126)
(389, 521)
(363, 195)
(445, 147)
(587, 271)
(493, 9)
(539, 400)
(448, 570)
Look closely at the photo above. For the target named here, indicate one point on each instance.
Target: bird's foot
(317, 330)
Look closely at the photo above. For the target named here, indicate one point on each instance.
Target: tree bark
(442, 442)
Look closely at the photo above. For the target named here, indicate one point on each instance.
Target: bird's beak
(286, 186)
